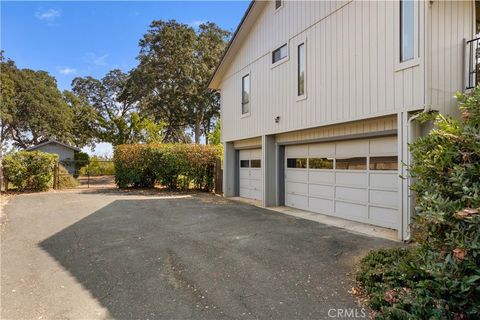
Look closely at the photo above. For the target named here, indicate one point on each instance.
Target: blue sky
(70, 39)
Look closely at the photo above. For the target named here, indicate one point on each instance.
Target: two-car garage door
(354, 179)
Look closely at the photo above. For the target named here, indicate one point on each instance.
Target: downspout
(426, 108)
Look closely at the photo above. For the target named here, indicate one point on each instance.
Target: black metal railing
(472, 48)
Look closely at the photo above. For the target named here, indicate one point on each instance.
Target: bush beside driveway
(171, 255)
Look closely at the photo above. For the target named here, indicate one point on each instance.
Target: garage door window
(300, 163)
(255, 163)
(384, 163)
(244, 164)
(359, 163)
(320, 163)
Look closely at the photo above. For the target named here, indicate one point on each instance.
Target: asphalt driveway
(124, 255)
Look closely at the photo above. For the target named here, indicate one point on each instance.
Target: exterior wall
(351, 68)
(449, 23)
(248, 143)
(352, 128)
(63, 152)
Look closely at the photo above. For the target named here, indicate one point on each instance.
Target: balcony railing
(472, 56)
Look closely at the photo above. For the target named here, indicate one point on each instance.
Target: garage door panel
(256, 194)
(251, 179)
(348, 209)
(256, 174)
(297, 188)
(244, 154)
(324, 177)
(244, 174)
(352, 194)
(321, 205)
(245, 193)
(321, 150)
(350, 148)
(384, 216)
(256, 184)
(296, 151)
(384, 180)
(296, 175)
(321, 191)
(351, 178)
(389, 198)
(296, 201)
(387, 145)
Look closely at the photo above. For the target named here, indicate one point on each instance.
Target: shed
(65, 152)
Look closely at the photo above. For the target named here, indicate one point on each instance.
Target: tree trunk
(197, 131)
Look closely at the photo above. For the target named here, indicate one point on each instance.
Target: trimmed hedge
(171, 165)
(440, 277)
(30, 170)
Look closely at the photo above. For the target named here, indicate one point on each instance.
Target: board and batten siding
(450, 22)
(351, 68)
(62, 151)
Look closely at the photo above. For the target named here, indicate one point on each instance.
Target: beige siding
(347, 129)
(248, 143)
(351, 68)
(62, 152)
(450, 22)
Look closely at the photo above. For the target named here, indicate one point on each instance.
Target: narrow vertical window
(407, 29)
(246, 94)
(301, 70)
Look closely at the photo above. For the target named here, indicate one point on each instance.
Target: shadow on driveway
(204, 257)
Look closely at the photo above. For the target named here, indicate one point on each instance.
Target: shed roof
(50, 142)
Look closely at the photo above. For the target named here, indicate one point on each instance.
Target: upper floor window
(278, 4)
(279, 54)
(301, 70)
(246, 94)
(407, 27)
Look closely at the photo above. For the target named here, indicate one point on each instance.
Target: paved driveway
(97, 255)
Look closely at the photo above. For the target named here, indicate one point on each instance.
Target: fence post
(56, 176)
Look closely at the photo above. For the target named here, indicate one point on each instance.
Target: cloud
(48, 15)
(67, 70)
(196, 23)
(97, 60)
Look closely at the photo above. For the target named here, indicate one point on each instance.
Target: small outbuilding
(65, 152)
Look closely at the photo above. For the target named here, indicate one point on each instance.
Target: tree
(170, 82)
(33, 109)
(85, 120)
(116, 120)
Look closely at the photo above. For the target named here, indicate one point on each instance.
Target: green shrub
(65, 179)
(439, 279)
(30, 170)
(98, 166)
(171, 165)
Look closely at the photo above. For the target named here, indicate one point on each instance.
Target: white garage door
(251, 185)
(355, 179)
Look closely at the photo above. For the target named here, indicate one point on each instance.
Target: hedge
(171, 165)
(439, 277)
(30, 170)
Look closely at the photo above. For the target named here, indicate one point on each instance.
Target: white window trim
(281, 61)
(399, 65)
(244, 115)
(303, 96)
(279, 8)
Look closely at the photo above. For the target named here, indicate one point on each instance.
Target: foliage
(441, 278)
(171, 165)
(170, 82)
(98, 166)
(65, 179)
(30, 170)
(214, 137)
(85, 120)
(33, 109)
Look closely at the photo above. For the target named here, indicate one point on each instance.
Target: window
(359, 163)
(255, 163)
(278, 4)
(297, 163)
(384, 163)
(244, 164)
(246, 94)
(407, 27)
(301, 70)
(320, 163)
(279, 54)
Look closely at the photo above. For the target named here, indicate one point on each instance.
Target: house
(319, 100)
(65, 152)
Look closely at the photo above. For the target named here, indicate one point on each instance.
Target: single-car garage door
(251, 185)
(353, 179)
